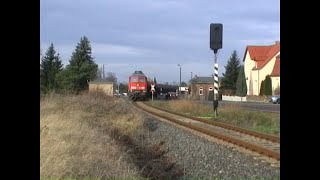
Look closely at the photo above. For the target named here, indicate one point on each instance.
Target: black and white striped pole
(215, 84)
(215, 45)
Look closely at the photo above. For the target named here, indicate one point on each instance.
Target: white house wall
(275, 83)
(257, 76)
(255, 82)
(248, 65)
(267, 69)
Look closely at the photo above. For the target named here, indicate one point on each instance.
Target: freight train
(139, 88)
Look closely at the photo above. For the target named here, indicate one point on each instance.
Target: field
(259, 121)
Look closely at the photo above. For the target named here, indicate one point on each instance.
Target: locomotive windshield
(137, 79)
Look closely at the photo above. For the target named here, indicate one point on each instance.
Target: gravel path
(201, 158)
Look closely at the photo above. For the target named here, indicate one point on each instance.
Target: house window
(201, 91)
(210, 88)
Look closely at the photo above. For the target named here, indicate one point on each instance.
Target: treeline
(234, 80)
(75, 76)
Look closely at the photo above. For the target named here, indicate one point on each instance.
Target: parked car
(275, 99)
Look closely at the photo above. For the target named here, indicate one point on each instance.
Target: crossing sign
(152, 87)
(152, 90)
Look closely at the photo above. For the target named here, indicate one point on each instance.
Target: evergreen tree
(267, 86)
(262, 88)
(123, 87)
(57, 68)
(50, 66)
(241, 83)
(231, 72)
(81, 68)
(64, 79)
(155, 80)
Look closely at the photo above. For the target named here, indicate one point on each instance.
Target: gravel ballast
(201, 158)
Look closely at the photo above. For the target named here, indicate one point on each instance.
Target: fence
(233, 98)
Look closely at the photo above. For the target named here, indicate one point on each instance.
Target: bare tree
(111, 77)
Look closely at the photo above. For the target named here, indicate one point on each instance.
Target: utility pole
(180, 81)
(103, 71)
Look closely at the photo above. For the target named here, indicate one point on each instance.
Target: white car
(275, 99)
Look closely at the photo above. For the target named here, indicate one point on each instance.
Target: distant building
(184, 90)
(109, 88)
(260, 61)
(201, 86)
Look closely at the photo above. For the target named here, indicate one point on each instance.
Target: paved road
(257, 106)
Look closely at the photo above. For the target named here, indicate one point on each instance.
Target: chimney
(277, 42)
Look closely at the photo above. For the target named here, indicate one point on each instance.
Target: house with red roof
(260, 61)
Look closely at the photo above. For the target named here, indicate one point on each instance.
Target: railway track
(261, 143)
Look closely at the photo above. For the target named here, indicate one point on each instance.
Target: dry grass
(75, 139)
(232, 114)
(185, 107)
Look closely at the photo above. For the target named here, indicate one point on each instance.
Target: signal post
(215, 45)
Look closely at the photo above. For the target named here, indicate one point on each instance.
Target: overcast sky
(155, 35)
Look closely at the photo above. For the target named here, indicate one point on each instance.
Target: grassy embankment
(93, 136)
(259, 121)
(75, 139)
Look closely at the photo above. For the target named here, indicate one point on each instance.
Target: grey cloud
(151, 33)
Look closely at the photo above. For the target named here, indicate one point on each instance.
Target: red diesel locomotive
(138, 86)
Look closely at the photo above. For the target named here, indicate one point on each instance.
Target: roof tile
(262, 54)
(276, 67)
